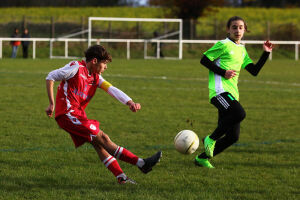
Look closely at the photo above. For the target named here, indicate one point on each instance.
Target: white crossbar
(134, 19)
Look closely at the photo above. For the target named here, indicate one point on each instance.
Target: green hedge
(73, 15)
(283, 22)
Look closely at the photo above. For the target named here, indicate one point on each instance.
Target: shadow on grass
(280, 164)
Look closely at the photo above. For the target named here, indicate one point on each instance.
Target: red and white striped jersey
(77, 88)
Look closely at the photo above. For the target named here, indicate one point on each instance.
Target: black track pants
(231, 113)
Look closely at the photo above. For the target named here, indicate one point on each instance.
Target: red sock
(112, 164)
(126, 156)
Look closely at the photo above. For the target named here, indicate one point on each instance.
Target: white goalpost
(157, 40)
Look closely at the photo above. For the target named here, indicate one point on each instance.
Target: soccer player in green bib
(225, 61)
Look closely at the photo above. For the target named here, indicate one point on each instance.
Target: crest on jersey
(93, 127)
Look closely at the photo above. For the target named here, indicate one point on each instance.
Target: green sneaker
(209, 146)
(203, 162)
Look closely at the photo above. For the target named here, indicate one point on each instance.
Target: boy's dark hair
(97, 51)
(236, 18)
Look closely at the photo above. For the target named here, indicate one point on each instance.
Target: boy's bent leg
(145, 165)
(230, 138)
(111, 163)
(126, 156)
(103, 139)
(150, 162)
(231, 112)
(117, 151)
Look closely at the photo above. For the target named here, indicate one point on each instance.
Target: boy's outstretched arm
(255, 68)
(119, 95)
(134, 107)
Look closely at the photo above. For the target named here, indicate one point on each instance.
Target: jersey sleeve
(64, 73)
(103, 84)
(247, 60)
(215, 51)
(113, 91)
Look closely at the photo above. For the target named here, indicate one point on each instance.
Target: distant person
(79, 82)
(25, 44)
(156, 35)
(225, 61)
(15, 44)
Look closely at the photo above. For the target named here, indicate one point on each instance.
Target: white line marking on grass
(22, 72)
(167, 88)
(271, 82)
(155, 77)
(201, 79)
(295, 84)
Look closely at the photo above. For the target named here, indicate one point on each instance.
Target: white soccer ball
(186, 142)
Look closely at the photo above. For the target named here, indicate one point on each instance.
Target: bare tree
(271, 3)
(188, 10)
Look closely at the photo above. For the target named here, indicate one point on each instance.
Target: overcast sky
(142, 2)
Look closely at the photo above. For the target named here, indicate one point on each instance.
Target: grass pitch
(38, 160)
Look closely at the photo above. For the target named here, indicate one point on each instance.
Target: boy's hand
(134, 107)
(268, 46)
(49, 110)
(229, 74)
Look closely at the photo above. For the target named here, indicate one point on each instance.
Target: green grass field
(38, 160)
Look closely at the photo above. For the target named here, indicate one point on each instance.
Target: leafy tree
(69, 3)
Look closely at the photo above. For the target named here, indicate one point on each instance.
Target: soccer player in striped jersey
(224, 61)
(79, 82)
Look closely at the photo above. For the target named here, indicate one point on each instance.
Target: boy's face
(99, 66)
(236, 30)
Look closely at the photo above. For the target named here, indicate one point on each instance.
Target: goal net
(150, 38)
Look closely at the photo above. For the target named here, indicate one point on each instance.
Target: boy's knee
(239, 114)
(102, 138)
(242, 115)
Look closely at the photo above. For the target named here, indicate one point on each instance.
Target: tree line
(173, 3)
(66, 3)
